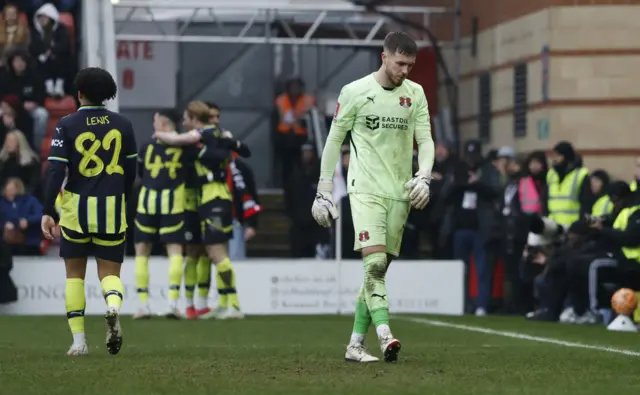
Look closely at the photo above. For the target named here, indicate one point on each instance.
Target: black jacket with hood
(28, 85)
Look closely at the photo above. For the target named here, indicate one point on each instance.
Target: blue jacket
(27, 207)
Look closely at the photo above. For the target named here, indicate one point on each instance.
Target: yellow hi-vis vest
(564, 199)
(602, 206)
(621, 222)
(633, 186)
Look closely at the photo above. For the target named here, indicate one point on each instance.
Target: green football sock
(375, 291)
(362, 318)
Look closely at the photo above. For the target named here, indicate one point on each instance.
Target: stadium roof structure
(337, 23)
(360, 27)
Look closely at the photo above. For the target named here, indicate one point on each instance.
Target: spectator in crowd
(601, 204)
(471, 211)
(305, 234)
(497, 164)
(444, 168)
(22, 214)
(522, 267)
(18, 160)
(8, 291)
(14, 32)
(532, 188)
(568, 183)
(50, 45)
(513, 229)
(23, 81)
(292, 130)
(15, 117)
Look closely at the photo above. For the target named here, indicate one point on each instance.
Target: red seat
(67, 20)
(59, 108)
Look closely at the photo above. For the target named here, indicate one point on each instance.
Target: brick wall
(593, 96)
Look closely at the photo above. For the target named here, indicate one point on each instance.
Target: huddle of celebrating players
(186, 204)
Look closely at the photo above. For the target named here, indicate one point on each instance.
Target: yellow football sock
(175, 276)
(142, 278)
(75, 303)
(226, 283)
(203, 274)
(190, 279)
(113, 291)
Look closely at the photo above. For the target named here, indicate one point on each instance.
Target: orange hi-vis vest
(291, 112)
(529, 196)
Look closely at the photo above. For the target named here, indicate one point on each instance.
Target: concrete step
(272, 235)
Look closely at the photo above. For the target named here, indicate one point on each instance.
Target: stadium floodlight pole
(109, 46)
(91, 33)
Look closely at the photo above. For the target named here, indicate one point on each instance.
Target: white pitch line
(516, 335)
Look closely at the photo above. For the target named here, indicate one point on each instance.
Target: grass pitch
(304, 355)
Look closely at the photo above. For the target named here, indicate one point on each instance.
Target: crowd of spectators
(37, 62)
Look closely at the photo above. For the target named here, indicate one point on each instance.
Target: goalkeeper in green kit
(384, 112)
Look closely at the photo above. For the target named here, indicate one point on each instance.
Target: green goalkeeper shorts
(378, 221)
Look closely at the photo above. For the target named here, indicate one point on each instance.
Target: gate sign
(147, 71)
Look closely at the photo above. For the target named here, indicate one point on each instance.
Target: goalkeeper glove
(418, 188)
(323, 209)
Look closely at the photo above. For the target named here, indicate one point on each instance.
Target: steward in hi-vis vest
(569, 187)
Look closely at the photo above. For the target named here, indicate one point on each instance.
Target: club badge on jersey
(405, 101)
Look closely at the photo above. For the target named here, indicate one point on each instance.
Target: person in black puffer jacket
(8, 291)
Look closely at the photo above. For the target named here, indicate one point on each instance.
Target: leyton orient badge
(405, 101)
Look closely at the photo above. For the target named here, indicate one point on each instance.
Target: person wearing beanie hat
(570, 196)
(599, 182)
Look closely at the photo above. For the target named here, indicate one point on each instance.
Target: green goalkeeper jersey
(383, 123)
